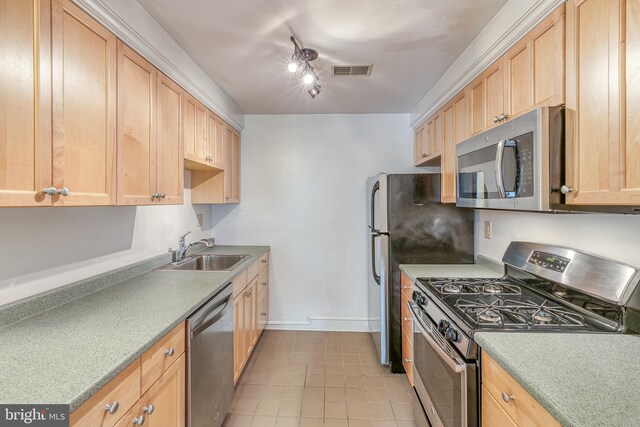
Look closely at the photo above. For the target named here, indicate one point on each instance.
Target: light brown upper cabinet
(137, 167)
(455, 129)
(428, 140)
(534, 67)
(603, 65)
(150, 159)
(215, 138)
(25, 103)
(231, 165)
(84, 107)
(169, 146)
(197, 153)
(529, 75)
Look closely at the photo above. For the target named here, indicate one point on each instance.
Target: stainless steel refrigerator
(408, 225)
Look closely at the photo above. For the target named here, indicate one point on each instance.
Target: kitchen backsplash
(611, 235)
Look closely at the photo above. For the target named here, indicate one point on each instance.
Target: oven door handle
(456, 367)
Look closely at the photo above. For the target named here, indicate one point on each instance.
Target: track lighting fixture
(300, 64)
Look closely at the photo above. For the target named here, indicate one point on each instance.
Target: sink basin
(207, 263)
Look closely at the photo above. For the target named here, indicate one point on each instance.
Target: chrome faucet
(183, 247)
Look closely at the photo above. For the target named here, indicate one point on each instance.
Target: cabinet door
(25, 102)
(263, 314)
(417, 147)
(518, 78)
(436, 147)
(84, 107)
(477, 106)
(448, 161)
(215, 138)
(170, 149)
(232, 165)
(195, 133)
(424, 140)
(494, 94)
(239, 355)
(136, 129)
(249, 318)
(603, 61)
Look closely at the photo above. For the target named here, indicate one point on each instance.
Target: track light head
(314, 91)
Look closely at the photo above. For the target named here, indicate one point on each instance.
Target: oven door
(445, 384)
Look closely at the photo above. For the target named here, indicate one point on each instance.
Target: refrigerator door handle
(374, 190)
(373, 257)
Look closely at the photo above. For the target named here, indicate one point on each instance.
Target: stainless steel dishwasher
(210, 361)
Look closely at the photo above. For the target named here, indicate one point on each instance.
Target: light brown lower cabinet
(506, 403)
(251, 311)
(164, 404)
(152, 387)
(407, 326)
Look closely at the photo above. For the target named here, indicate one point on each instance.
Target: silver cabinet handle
(264, 283)
(407, 360)
(247, 294)
(169, 352)
(155, 195)
(495, 119)
(162, 195)
(565, 189)
(227, 197)
(112, 408)
(64, 191)
(507, 397)
(424, 155)
(264, 261)
(503, 117)
(406, 319)
(138, 421)
(149, 409)
(263, 314)
(49, 191)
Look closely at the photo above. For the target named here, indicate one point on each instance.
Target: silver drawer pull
(263, 314)
(138, 421)
(50, 191)
(247, 294)
(149, 409)
(264, 283)
(169, 352)
(407, 360)
(407, 319)
(112, 408)
(507, 397)
(264, 261)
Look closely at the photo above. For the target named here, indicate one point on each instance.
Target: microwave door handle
(451, 363)
(499, 175)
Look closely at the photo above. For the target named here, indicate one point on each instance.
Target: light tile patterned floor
(316, 379)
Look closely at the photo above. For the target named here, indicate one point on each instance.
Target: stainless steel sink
(207, 263)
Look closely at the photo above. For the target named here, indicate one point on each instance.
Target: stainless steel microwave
(507, 167)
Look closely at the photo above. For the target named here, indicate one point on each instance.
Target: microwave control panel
(549, 261)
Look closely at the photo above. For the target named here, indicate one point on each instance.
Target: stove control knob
(442, 326)
(451, 335)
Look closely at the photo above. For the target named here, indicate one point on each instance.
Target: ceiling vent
(351, 70)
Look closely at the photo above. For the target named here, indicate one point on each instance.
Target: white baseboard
(322, 323)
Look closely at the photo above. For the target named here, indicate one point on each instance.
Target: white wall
(610, 235)
(304, 193)
(44, 248)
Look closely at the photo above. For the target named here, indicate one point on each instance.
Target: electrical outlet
(199, 219)
(488, 230)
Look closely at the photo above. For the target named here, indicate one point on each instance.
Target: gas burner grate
(468, 286)
(519, 313)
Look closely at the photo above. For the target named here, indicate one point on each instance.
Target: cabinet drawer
(161, 356)
(263, 284)
(239, 283)
(264, 261)
(406, 318)
(406, 284)
(407, 355)
(492, 414)
(522, 407)
(123, 389)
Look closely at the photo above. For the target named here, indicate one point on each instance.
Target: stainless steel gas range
(545, 289)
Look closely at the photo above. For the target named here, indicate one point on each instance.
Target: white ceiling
(244, 47)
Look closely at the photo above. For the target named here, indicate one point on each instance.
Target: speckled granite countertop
(581, 379)
(484, 267)
(67, 353)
